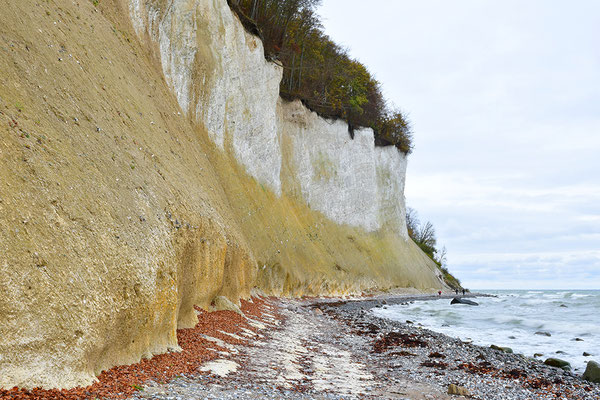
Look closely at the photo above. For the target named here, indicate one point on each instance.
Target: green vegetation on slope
(318, 71)
(424, 236)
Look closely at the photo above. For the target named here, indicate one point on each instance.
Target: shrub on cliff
(318, 71)
(394, 128)
(424, 236)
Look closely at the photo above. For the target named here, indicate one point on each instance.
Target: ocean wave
(513, 318)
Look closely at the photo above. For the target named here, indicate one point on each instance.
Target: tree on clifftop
(424, 236)
(318, 71)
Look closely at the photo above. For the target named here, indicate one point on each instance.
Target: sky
(504, 100)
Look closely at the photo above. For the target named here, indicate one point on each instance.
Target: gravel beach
(325, 349)
(332, 349)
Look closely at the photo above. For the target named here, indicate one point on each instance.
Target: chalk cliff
(147, 165)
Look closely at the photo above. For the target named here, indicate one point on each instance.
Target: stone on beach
(592, 372)
(558, 363)
(543, 333)
(502, 349)
(222, 303)
(459, 300)
(458, 390)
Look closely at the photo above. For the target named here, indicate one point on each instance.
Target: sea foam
(513, 318)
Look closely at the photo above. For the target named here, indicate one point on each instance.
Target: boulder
(558, 363)
(222, 303)
(458, 390)
(538, 355)
(459, 300)
(592, 372)
(502, 349)
(586, 354)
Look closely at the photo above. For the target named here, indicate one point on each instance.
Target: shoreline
(336, 349)
(516, 322)
(393, 299)
(326, 348)
(485, 372)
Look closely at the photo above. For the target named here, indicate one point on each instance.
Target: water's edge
(544, 324)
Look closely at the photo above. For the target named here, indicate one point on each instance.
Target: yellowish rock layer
(118, 214)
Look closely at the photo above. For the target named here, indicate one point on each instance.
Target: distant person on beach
(456, 291)
(439, 293)
(464, 291)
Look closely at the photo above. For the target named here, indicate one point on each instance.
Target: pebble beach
(325, 349)
(340, 350)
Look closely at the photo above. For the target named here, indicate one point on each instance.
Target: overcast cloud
(504, 98)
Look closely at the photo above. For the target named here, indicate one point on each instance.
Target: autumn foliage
(318, 71)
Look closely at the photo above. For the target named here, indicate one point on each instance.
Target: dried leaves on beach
(392, 339)
(122, 381)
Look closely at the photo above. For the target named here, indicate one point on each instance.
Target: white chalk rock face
(336, 173)
(220, 76)
(348, 179)
(390, 167)
(175, 31)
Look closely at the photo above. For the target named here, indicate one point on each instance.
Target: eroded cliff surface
(112, 221)
(147, 165)
(305, 160)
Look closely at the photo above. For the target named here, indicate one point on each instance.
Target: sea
(519, 319)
